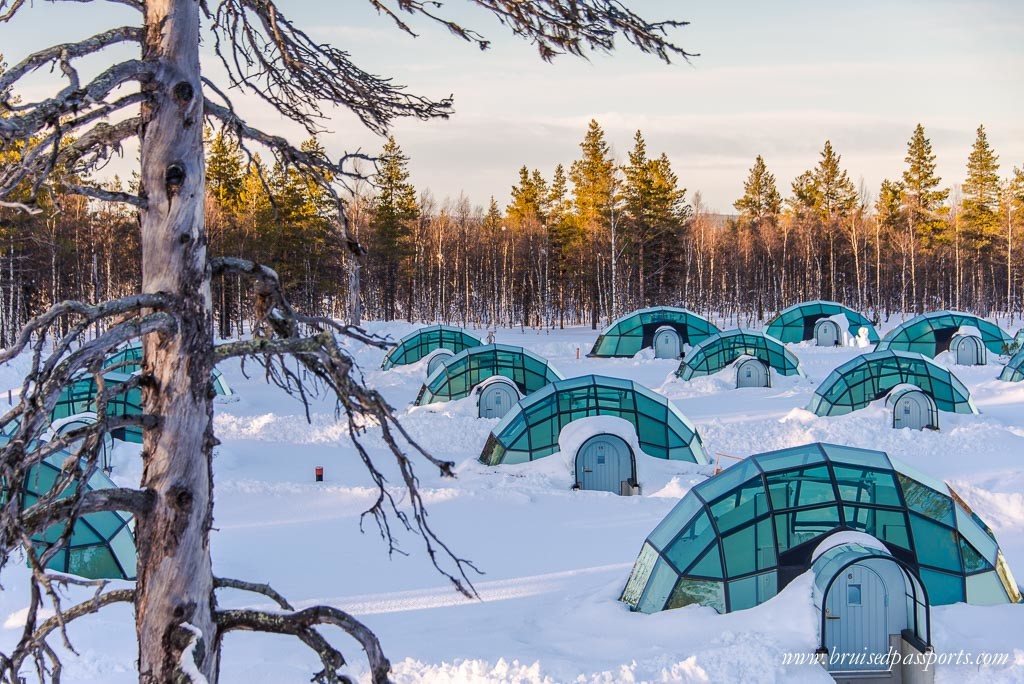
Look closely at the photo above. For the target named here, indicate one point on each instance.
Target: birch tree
(161, 97)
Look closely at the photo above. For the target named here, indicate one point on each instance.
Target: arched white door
(911, 411)
(497, 398)
(603, 463)
(969, 351)
(856, 619)
(752, 373)
(438, 358)
(826, 333)
(666, 344)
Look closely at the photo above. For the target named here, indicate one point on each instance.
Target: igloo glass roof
(1014, 369)
(530, 429)
(635, 331)
(724, 348)
(868, 377)
(102, 545)
(457, 376)
(80, 397)
(128, 360)
(736, 539)
(419, 343)
(930, 333)
(796, 323)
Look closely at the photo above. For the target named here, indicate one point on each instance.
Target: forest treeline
(593, 239)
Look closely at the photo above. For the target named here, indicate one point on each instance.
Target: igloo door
(666, 343)
(497, 398)
(603, 463)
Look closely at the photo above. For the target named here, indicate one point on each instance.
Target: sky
(775, 79)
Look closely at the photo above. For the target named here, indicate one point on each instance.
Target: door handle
(588, 470)
(832, 617)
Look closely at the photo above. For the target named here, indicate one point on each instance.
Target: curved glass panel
(796, 323)
(755, 525)
(871, 376)
(1014, 369)
(930, 333)
(724, 348)
(635, 331)
(457, 376)
(80, 397)
(420, 343)
(101, 545)
(530, 429)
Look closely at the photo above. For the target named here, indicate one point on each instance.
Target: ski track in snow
(447, 596)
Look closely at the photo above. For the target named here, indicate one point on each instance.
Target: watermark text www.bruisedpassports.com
(836, 660)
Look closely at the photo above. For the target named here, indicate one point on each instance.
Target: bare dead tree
(161, 99)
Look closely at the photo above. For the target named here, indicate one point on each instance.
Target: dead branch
(266, 54)
(555, 26)
(11, 665)
(253, 587)
(300, 624)
(38, 116)
(68, 51)
(8, 14)
(105, 195)
(37, 518)
(90, 313)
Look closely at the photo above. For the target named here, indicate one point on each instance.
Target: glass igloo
(869, 377)
(735, 540)
(635, 331)
(530, 430)
(931, 333)
(1014, 369)
(796, 323)
(723, 349)
(457, 377)
(420, 343)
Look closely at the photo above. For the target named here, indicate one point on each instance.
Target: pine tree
(889, 205)
(394, 210)
(805, 195)
(981, 193)
(529, 200)
(593, 178)
(835, 194)
(922, 197)
(564, 234)
(224, 165)
(669, 213)
(761, 201)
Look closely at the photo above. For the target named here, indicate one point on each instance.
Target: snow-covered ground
(554, 561)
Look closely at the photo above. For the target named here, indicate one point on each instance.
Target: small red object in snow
(319, 473)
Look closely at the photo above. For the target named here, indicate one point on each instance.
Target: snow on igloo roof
(796, 323)
(736, 539)
(635, 331)
(457, 376)
(531, 428)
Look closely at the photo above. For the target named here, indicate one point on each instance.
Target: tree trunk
(175, 581)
